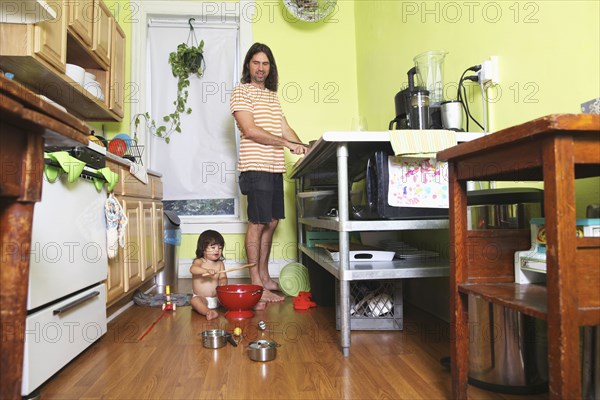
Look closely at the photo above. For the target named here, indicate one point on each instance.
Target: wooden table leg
(21, 171)
(459, 345)
(15, 241)
(563, 327)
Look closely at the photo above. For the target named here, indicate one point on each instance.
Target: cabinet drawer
(58, 333)
(132, 186)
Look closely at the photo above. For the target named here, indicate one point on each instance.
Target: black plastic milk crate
(378, 177)
(374, 305)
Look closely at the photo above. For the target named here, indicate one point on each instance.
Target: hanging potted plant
(186, 61)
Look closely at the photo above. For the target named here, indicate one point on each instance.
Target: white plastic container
(314, 204)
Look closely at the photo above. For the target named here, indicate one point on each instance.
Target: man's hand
(297, 148)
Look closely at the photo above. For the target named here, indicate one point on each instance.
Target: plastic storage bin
(314, 204)
(374, 305)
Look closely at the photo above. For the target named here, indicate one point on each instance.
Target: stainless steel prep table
(342, 156)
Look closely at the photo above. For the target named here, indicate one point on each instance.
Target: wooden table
(556, 149)
(26, 123)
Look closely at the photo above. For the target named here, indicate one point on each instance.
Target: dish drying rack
(133, 153)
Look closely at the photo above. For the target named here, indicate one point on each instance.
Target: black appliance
(376, 187)
(413, 109)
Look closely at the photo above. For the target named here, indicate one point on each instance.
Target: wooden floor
(171, 363)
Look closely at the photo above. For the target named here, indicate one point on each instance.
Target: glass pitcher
(430, 71)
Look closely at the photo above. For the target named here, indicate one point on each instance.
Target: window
(199, 164)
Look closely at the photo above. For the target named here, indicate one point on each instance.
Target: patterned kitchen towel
(417, 182)
(116, 221)
(157, 300)
(421, 143)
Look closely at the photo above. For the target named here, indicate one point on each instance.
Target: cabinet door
(81, 19)
(148, 269)
(133, 244)
(102, 31)
(115, 282)
(158, 238)
(51, 41)
(117, 71)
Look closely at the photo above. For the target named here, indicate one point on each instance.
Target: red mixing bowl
(239, 299)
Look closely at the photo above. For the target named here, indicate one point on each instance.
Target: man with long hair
(265, 133)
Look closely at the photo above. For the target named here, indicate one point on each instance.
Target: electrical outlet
(489, 71)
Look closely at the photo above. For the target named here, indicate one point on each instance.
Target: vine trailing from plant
(185, 62)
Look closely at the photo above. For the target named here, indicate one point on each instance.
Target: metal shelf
(336, 159)
(374, 225)
(364, 270)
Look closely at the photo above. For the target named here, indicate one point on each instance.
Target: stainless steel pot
(216, 338)
(262, 350)
(504, 208)
(502, 216)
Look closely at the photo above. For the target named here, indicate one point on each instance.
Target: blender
(430, 69)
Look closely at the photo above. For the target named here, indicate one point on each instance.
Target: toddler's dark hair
(206, 239)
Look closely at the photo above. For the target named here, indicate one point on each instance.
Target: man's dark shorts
(265, 196)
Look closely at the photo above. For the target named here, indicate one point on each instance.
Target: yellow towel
(421, 143)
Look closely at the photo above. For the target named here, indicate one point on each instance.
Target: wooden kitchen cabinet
(133, 252)
(81, 18)
(116, 87)
(50, 43)
(82, 35)
(143, 255)
(115, 281)
(26, 46)
(101, 38)
(557, 149)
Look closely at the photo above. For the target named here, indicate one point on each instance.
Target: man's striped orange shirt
(266, 109)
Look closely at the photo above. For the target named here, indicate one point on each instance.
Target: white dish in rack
(365, 255)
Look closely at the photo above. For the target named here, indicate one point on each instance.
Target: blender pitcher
(430, 69)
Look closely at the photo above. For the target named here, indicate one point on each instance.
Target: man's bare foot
(211, 314)
(271, 297)
(270, 284)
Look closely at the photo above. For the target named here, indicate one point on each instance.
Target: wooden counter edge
(33, 101)
(550, 123)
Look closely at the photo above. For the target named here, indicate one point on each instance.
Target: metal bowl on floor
(214, 338)
(262, 350)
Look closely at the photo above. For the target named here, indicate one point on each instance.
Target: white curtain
(200, 162)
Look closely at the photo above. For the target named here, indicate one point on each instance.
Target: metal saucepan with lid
(262, 350)
(216, 338)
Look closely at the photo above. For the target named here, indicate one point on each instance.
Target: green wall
(355, 61)
(547, 50)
